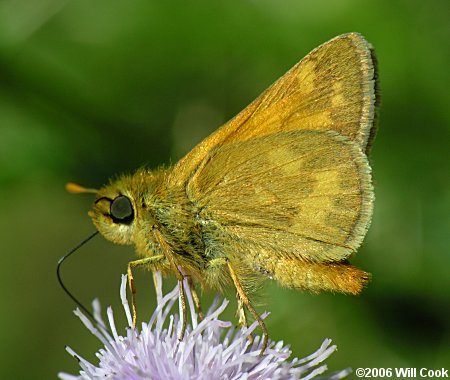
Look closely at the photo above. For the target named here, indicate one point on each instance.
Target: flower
(211, 348)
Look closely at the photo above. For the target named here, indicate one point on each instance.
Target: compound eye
(121, 210)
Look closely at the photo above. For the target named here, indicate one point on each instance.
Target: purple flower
(211, 349)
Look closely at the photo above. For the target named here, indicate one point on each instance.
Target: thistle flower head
(211, 348)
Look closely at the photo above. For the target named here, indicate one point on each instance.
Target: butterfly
(283, 191)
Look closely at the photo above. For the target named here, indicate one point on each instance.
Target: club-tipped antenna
(58, 274)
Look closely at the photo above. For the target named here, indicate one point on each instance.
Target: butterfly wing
(306, 194)
(332, 88)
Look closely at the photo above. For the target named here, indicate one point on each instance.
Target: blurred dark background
(91, 89)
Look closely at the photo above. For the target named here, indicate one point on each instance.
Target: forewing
(301, 193)
(332, 88)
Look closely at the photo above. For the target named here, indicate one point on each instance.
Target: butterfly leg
(152, 261)
(196, 299)
(242, 317)
(157, 279)
(183, 309)
(240, 312)
(246, 302)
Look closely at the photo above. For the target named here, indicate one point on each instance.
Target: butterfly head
(113, 212)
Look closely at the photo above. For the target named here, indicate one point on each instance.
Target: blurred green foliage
(89, 89)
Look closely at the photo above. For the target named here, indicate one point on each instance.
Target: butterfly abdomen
(339, 277)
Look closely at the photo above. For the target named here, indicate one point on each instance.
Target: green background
(89, 89)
